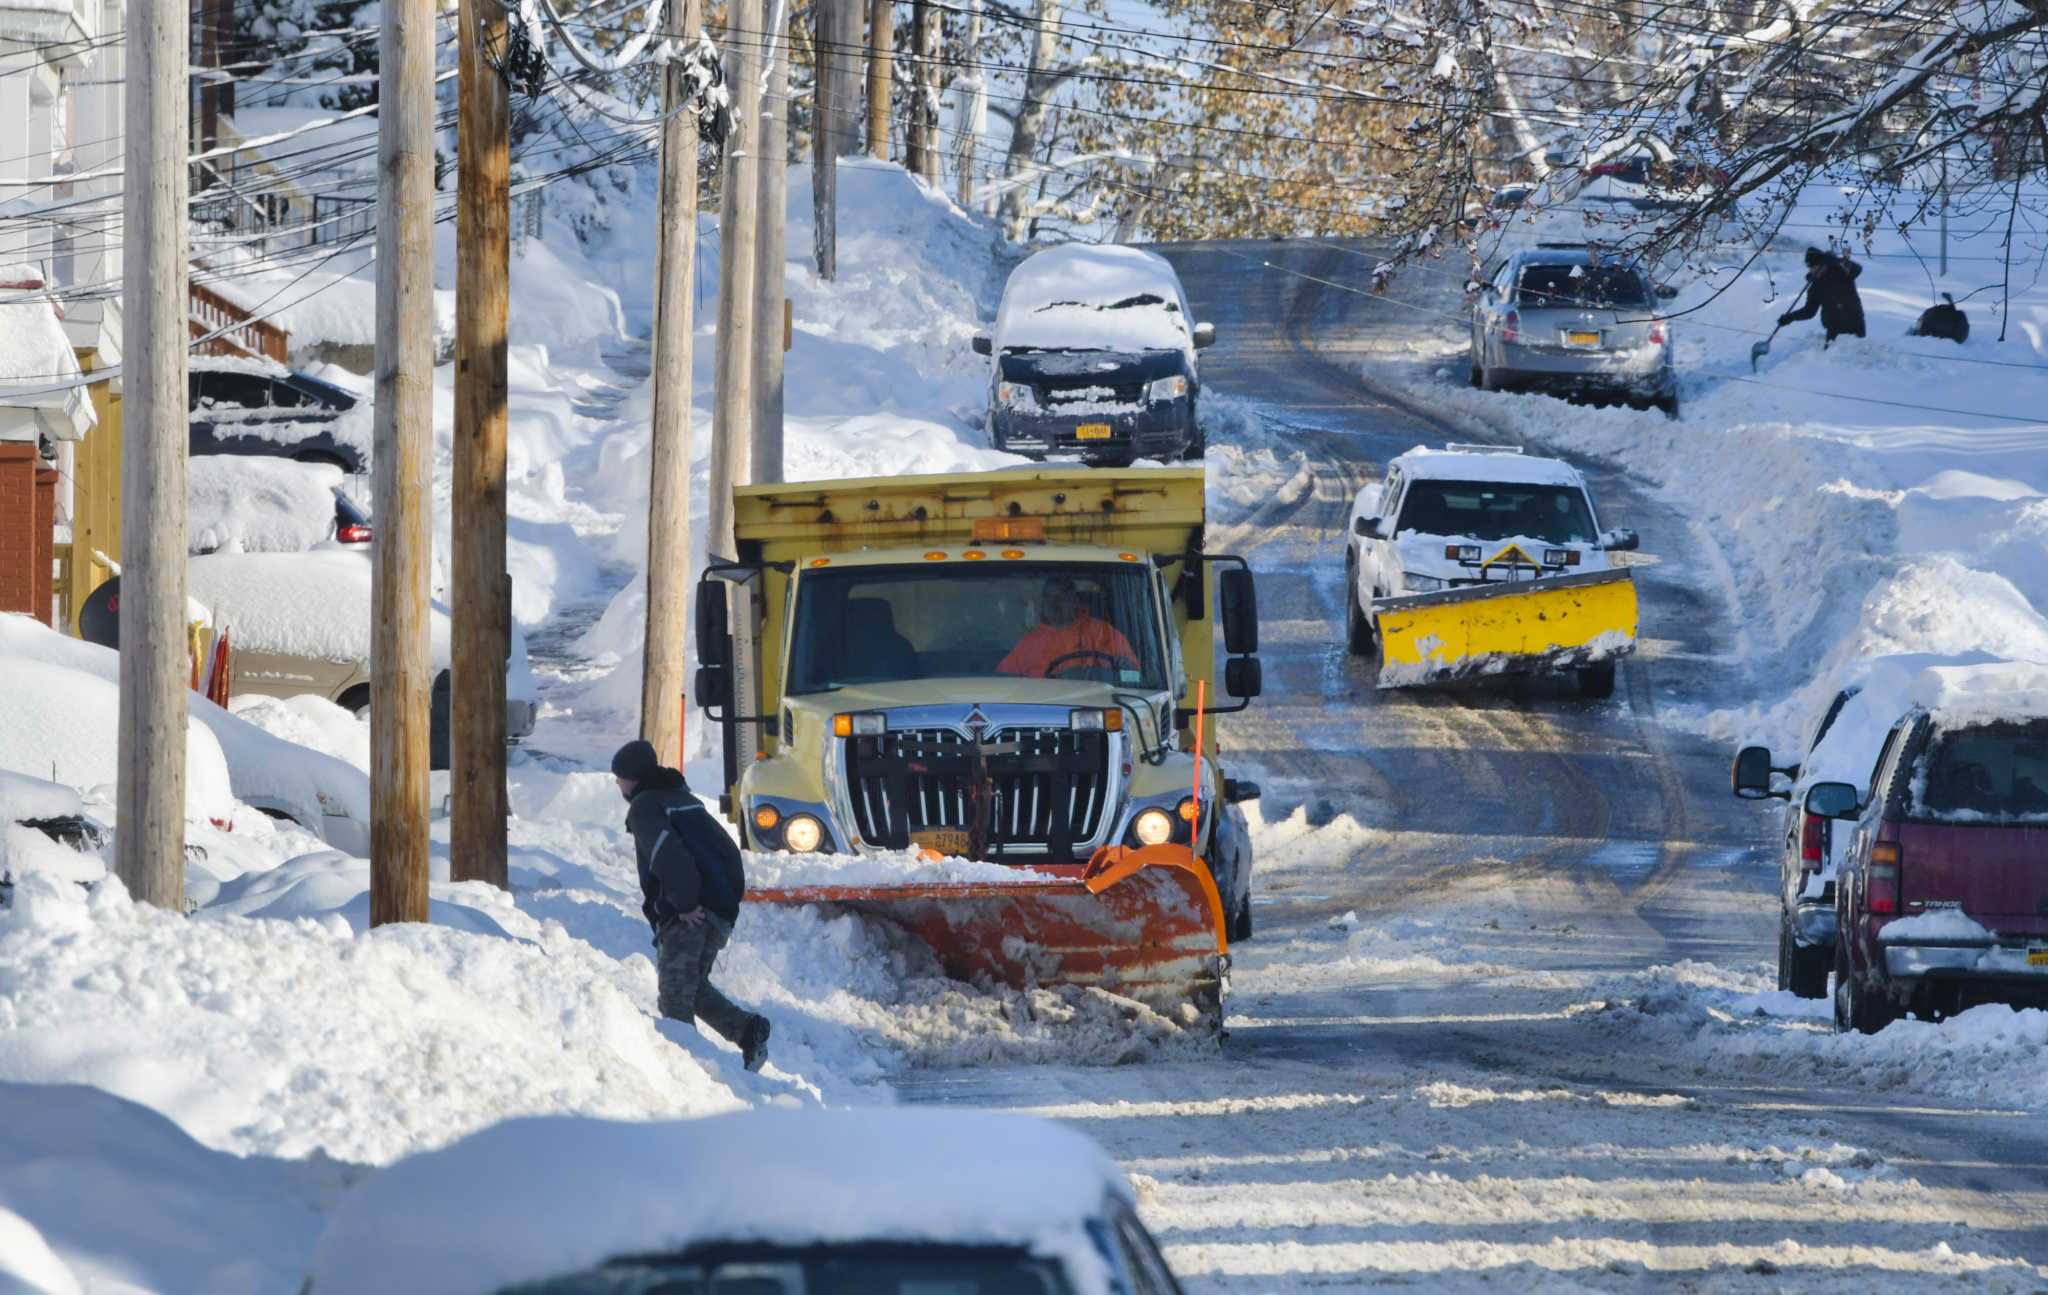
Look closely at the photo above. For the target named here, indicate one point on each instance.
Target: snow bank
(539, 1198)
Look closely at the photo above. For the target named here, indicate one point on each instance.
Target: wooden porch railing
(245, 335)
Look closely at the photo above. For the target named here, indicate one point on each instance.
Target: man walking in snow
(691, 880)
(1830, 291)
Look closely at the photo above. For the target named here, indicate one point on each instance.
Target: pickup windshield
(1491, 510)
(1985, 772)
(863, 625)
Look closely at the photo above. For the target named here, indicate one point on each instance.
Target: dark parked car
(351, 523)
(1094, 355)
(1943, 897)
(249, 407)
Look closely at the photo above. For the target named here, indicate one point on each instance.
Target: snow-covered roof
(313, 605)
(23, 797)
(534, 1198)
(1425, 464)
(345, 147)
(1980, 693)
(1086, 296)
(36, 359)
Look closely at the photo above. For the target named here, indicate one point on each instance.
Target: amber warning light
(1008, 530)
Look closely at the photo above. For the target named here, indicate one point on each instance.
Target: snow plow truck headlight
(1423, 584)
(803, 833)
(1154, 827)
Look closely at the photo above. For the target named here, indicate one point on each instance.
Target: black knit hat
(1814, 256)
(635, 761)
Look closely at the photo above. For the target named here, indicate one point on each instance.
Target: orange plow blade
(1145, 923)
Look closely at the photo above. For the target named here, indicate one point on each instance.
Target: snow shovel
(1760, 349)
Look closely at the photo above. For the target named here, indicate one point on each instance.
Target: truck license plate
(1092, 432)
(949, 841)
(1582, 337)
(2037, 957)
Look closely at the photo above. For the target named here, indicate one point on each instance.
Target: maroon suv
(1942, 901)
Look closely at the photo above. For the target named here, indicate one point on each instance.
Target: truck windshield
(1494, 510)
(864, 625)
(1985, 772)
(821, 1270)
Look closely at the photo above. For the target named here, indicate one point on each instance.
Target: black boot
(754, 1043)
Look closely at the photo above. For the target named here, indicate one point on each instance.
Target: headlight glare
(1154, 827)
(803, 834)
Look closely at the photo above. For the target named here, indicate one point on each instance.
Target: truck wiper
(1138, 711)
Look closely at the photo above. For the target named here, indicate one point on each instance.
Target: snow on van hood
(535, 1198)
(1087, 297)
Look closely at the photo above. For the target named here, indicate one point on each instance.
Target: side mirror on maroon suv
(1837, 800)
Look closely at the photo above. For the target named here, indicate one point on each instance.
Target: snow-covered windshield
(822, 1270)
(865, 625)
(1082, 298)
(1996, 771)
(1492, 510)
(1573, 286)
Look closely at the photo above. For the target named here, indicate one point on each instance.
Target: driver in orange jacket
(1064, 628)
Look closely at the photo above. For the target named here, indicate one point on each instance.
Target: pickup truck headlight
(1172, 388)
(1422, 584)
(802, 833)
(1153, 827)
(1016, 395)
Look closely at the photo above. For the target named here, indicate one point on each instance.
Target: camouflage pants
(687, 952)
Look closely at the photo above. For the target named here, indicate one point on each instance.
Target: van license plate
(1092, 432)
(2037, 957)
(1582, 337)
(949, 841)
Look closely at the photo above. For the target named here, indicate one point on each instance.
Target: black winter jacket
(1831, 291)
(686, 860)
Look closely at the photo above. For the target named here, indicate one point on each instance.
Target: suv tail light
(1883, 877)
(1510, 324)
(353, 533)
(1657, 332)
(1812, 833)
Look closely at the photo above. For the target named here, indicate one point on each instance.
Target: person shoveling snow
(692, 878)
(1830, 292)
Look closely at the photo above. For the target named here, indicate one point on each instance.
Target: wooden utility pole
(668, 495)
(923, 131)
(738, 247)
(881, 74)
(400, 669)
(481, 595)
(149, 813)
(772, 212)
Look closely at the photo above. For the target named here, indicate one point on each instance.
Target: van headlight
(1016, 395)
(1153, 827)
(802, 833)
(1172, 388)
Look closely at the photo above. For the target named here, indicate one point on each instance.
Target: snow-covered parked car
(1467, 516)
(61, 697)
(892, 1201)
(301, 623)
(1564, 317)
(1094, 352)
(1942, 901)
(253, 406)
(252, 504)
(44, 827)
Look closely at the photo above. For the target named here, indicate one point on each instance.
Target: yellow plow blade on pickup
(1510, 627)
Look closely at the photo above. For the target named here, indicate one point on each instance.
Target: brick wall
(17, 526)
(44, 607)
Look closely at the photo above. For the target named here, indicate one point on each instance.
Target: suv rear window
(1984, 772)
(1580, 285)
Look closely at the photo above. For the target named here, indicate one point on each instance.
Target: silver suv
(1561, 317)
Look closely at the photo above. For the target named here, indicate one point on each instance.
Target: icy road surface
(1508, 1013)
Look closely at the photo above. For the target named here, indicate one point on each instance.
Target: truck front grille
(1094, 393)
(1046, 788)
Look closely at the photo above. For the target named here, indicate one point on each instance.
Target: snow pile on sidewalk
(1885, 495)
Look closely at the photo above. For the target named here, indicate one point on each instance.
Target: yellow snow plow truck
(1014, 668)
(1480, 560)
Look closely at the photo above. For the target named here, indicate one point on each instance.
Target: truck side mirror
(1204, 335)
(1832, 800)
(1243, 677)
(1621, 540)
(984, 344)
(714, 632)
(1750, 779)
(713, 689)
(1368, 528)
(1240, 606)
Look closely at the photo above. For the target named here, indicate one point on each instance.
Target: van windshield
(1995, 771)
(1492, 510)
(888, 624)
